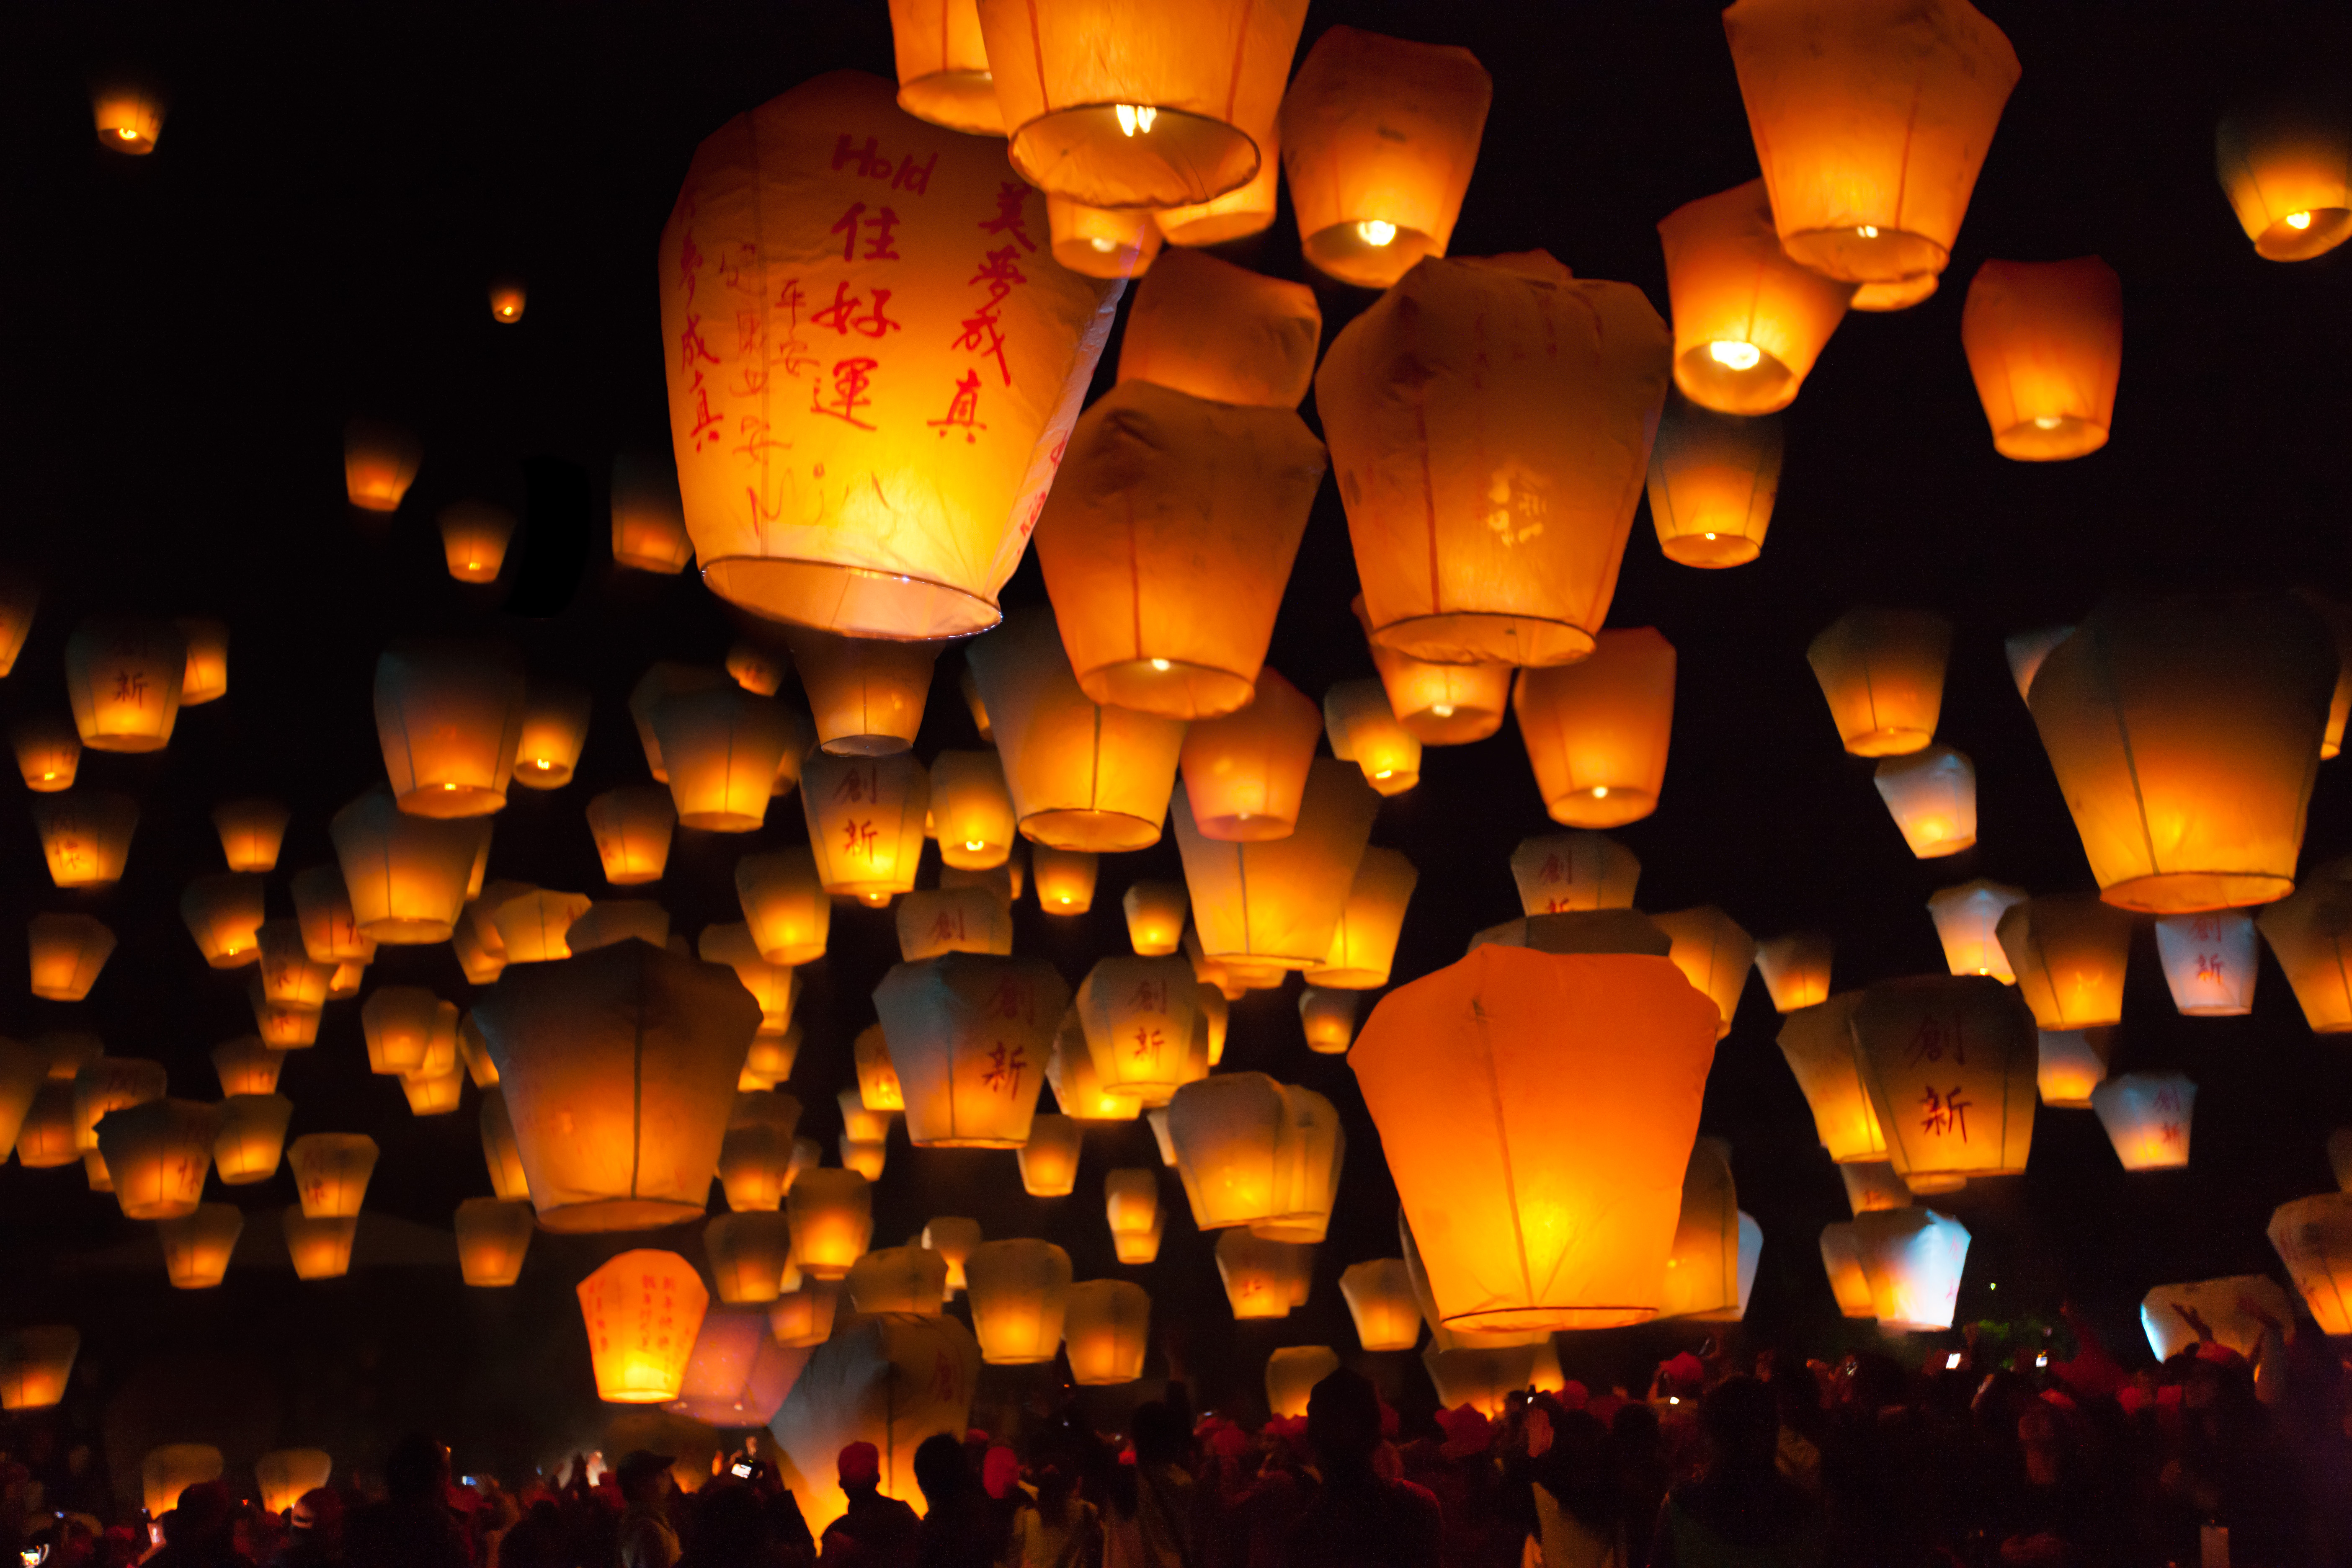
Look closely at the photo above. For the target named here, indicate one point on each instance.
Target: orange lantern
(196, 1247)
(2185, 735)
(1365, 730)
(1379, 137)
(2068, 952)
(1912, 1259)
(507, 299)
(1842, 1259)
(107, 1085)
(1712, 480)
(20, 597)
(1818, 1041)
(1883, 673)
(1132, 1203)
(832, 1214)
(1211, 330)
(1328, 1019)
(501, 1152)
(1160, 122)
(436, 1092)
(251, 832)
(866, 822)
(35, 1365)
(170, 1470)
(1106, 1329)
(1140, 1014)
(1020, 1297)
(1363, 944)
(1066, 880)
(1291, 1374)
(250, 1138)
(245, 1065)
(1563, 873)
(1049, 1161)
(770, 1061)
(879, 1089)
(1951, 1063)
(1713, 1266)
(953, 920)
(449, 715)
(1101, 242)
(943, 74)
(721, 748)
(928, 472)
(1871, 123)
(1240, 212)
(331, 1171)
(971, 811)
(86, 835)
(124, 679)
(910, 1279)
(493, 1235)
(1932, 794)
(158, 1154)
(1966, 919)
(2286, 167)
(204, 678)
(282, 1027)
(642, 1309)
(755, 669)
(554, 729)
(1596, 731)
(2045, 343)
(2073, 1062)
(2339, 618)
(1796, 969)
(969, 1034)
(2208, 962)
(632, 827)
(755, 1156)
(784, 905)
(1438, 704)
(2314, 1239)
(1245, 771)
(130, 119)
(44, 1131)
(804, 1318)
(1489, 494)
(406, 876)
(533, 923)
(49, 750)
(67, 953)
(1749, 320)
(399, 1022)
(1241, 1147)
(1713, 953)
(1155, 913)
(2147, 1117)
(867, 693)
(1261, 1276)
(2306, 931)
(954, 1239)
(1278, 904)
(380, 462)
(1077, 1086)
(1379, 1298)
(224, 914)
(661, 681)
(1480, 1377)
(648, 521)
(747, 1254)
(331, 928)
(474, 534)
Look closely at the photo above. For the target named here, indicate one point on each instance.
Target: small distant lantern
(2286, 167)
(747, 1254)
(784, 905)
(1131, 1204)
(1596, 730)
(755, 1157)
(1932, 795)
(35, 1365)
(406, 876)
(1951, 1064)
(1245, 771)
(1019, 1298)
(770, 1061)
(1438, 704)
(1818, 1041)
(2073, 1063)
(1365, 730)
(954, 1239)
(1750, 322)
(1883, 673)
(1966, 920)
(648, 519)
(2147, 1117)
(1364, 942)
(642, 1309)
(331, 1171)
(107, 1085)
(1066, 880)
(1379, 1298)
(158, 1155)
(1714, 478)
(2314, 1239)
(1291, 1373)
(1713, 955)
(867, 693)
(804, 1318)
(1261, 1276)
(879, 1088)
(1278, 904)
(2306, 931)
(245, 1065)
(2045, 343)
(1214, 331)
(196, 1247)
(633, 826)
(1155, 912)
(1049, 1161)
(224, 914)
(866, 822)
(380, 462)
(1328, 1018)
(1842, 1259)
(1107, 1329)
(1563, 873)
(67, 954)
(1101, 242)
(249, 1141)
(2068, 952)
(251, 832)
(1379, 138)
(474, 537)
(130, 120)
(399, 1023)
(832, 1214)
(169, 1470)
(20, 597)
(554, 729)
(721, 748)
(320, 1248)
(1461, 561)
(281, 1026)
(493, 1236)
(86, 835)
(1470, 1377)
(1796, 969)
(125, 679)
(49, 750)
(911, 1278)
(507, 298)
(205, 677)
(2208, 962)
(972, 810)
(1912, 1259)
(969, 1033)
(435, 1090)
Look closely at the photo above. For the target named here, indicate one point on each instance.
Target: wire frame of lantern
(196, 1245)
(1276, 904)
(2069, 953)
(1912, 1259)
(130, 120)
(642, 1309)
(2208, 962)
(748, 1253)
(648, 521)
(251, 832)
(1049, 1161)
(1967, 917)
(1562, 873)
(1842, 1260)
(1106, 1331)
(2045, 343)
(157, 1156)
(406, 876)
(2285, 166)
(320, 1248)
(2073, 1063)
(832, 1214)
(449, 716)
(1155, 912)
(249, 1141)
(85, 836)
(245, 1065)
(1932, 795)
(124, 679)
(2314, 1238)
(1101, 242)
(475, 534)
(1818, 1041)
(1882, 673)
(35, 1365)
(1951, 1065)
(331, 1171)
(784, 905)
(380, 462)
(1712, 480)
(866, 822)
(971, 811)
(2307, 933)
(1020, 1294)
(1244, 771)
(2147, 1117)
(1750, 322)
(1796, 969)
(66, 953)
(1596, 730)
(1714, 954)
(969, 1034)
(49, 750)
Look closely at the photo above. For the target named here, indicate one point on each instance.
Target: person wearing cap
(876, 1531)
(646, 1539)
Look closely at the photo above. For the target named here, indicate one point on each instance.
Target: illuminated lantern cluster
(1749, 321)
(449, 716)
(67, 953)
(969, 1034)
(2314, 1239)
(1950, 1065)
(2045, 343)
(866, 822)
(124, 679)
(380, 462)
(1714, 954)
(2286, 167)
(642, 1309)
(1563, 873)
(1968, 917)
(1596, 730)
(1712, 480)
(891, 1379)
(648, 518)
(1438, 704)
(1276, 904)
(1912, 1259)
(2068, 952)
(1882, 673)
(2147, 1117)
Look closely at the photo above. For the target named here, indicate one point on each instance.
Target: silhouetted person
(646, 1540)
(876, 1531)
(412, 1526)
(730, 1530)
(1154, 1518)
(959, 1529)
(200, 1532)
(315, 1539)
(1359, 1518)
(1061, 1530)
(1741, 1513)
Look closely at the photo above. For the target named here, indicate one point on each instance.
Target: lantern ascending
(1066, 880)
(866, 822)
(2073, 1062)
(1818, 1041)
(1912, 1259)
(1211, 330)
(1244, 771)
(1967, 917)
(1131, 1204)
(1107, 1327)
(642, 1309)
(1932, 795)
(2286, 167)
(1020, 1293)
(48, 750)
(1951, 1064)
(648, 521)
(1438, 704)
(196, 1247)
(943, 66)
(474, 537)
(2045, 343)
(1276, 904)
(2314, 1238)
(1563, 873)
(2307, 933)
(1596, 730)
(35, 1363)
(67, 953)
(867, 693)
(2147, 1116)
(972, 810)
(1364, 942)
(1712, 1269)
(1713, 953)
(1883, 673)
(969, 1033)
(331, 1171)
(124, 679)
(2068, 952)
(380, 463)
(1379, 1298)
(2208, 962)
(1749, 321)
(85, 836)
(406, 876)
(1101, 242)
(832, 1214)
(1155, 913)
(1049, 1161)
(1713, 481)
(449, 716)
(130, 119)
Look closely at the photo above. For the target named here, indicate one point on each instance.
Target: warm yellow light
(1735, 356)
(1710, 536)
(1867, 230)
(974, 844)
(1377, 231)
(1104, 243)
(2294, 220)
(1135, 116)
(1385, 772)
(129, 134)
(1600, 791)
(1161, 664)
(1444, 709)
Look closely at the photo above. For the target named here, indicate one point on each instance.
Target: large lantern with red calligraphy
(866, 822)
(1950, 1062)
(969, 1036)
(1562, 873)
(643, 1311)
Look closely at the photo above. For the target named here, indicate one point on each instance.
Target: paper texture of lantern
(1519, 1228)
(748, 1253)
(943, 73)
(380, 462)
(755, 1156)
(832, 1214)
(493, 1235)
(1077, 1088)
(1949, 1062)
(1163, 119)
(858, 1122)
(1796, 969)
(2286, 167)
(1139, 1015)
(642, 1309)
(35, 1363)
(867, 693)
(1562, 873)
(109, 1084)
(1912, 1259)
(2208, 962)
(1482, 533)
(866, 822)
(1379, 138)
(721, 748)
(1232, 1133)
(1366, 732)
(285, 1474)
(499, 1149)
(249, 1139)
(1932, 795)
(169, 1470)
(475, 534)
(1749, 320)
(449, 716)
(434, 1092)
(251, 832)
(2306, 932)
(1712, 1266)
(1291, 1373)
(879, 1086)
(554, 729)
(1712, 480)
(1596, 730)
(1713, 955)
(2339, 1157)
(1882, 673)
(85, 836)
(43, 1129)
(1379, 1298)
(1873, 1185)
(969, 1033)
(1155, 912)
(770, 1061)
(2314, 1239)
(67, 951)
(1260, 1275)
(783, 905)
(737, 1375)
(930, 452)
(1020, 1294)
(1278, 902)
(1165, 543)
(1211, 330)
(223, 913)
(2045, 343)
(972, 810)
(406, 876)
(1438, 704)
(1842, 1259)
(1966, 918)
(1871, 123)
(1364, 942)
(245, 1065)
(1049, 1161)
(196, 1245)
(1328, 1018)
(1818, 1041)
(2068, 952)
(1241, 212)
(124, 679)
(2185, 735)
(953, 1237)
(2147, 1117)
(890, 1380)
(49, 750)
(1066, 880)
(1244, 771)
(2073, 1063)
(1480, 1378)
(648, 521)
(331, 928)
(1101, 242)
(1107, 1332)
(331, 1171)
(398, 1022)
(158, 1155)
(2219, 1305)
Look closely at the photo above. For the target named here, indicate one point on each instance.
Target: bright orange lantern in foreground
(1049, 1161)
(1818, 1041)
(2307, 932)
(972, 810)
(1749, 321)
(1211, 330)
(1364, 942)
(1245, 771)
(196, 1247)
(449, 716)
(158, 1155)
(2208, 962)
(784, 905)
(943, 73)
(1488, 493)
(1871, 122)
(832, 1214)
(1107, 1328)
(1438, 704)
(2314, 1238)
(35, 1365)
(49, 750)
(866, 822)
(2045, 343)
(914, 469)
(2068, 952)
(2185, 735)
(1596, 730)
(1278, 902)
(380, 462)
(969, 1033)
(67, 954)
(1712, 480)
(1713, 953)
(1932, 795)
(1967, 917)
(1155, 912)
(1562, 873)
(124, 679)
(2147, 1117)
(474, 536)
(867, 693)
(2286, 167)
(642, 1309)
(1883, 673)
(406, 876)
(1950, 1062)
(1020, 1295)
(1379, 138)
(86, 835)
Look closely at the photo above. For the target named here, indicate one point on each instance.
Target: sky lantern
(2314, 1239)
(1211, 330)
(1278, 904)
(1082, 777)
(755, 669)
(245, 1065)
(663, 679)
(2208, 962)
(499, 1151)
(1364, 942)
(1132, 1203)
(1560, 873)
(1439, 704)
(1749, 320)
(331, 930)
(1102, 242)
(619, 1070)
(1713, 953)
(1328, 1018)
(35, 1365)
(449, 716)
(158, 1155)
(1712, 480)
(480, 951)
(2045, 343)
(2339, 618)
(608, 920)
(774, 988)
(1020, 1293)
(533, 925)
(43, 1132)
(943, 74)
(130, 120)
(2025, 651)
(1379, 1298)
(784, 904)
(1155, 912)
(1308, 1159)
(2221, 1304)
(475, 534)
(879, 1087)
(331, 1171)
(249, 1140)
(1258, 1273)
(169, 1470)
(1165, 543)
(2286, 167)
(380, 462)
(107, 1085)
(1232, 1133)
(280, 1026)
(642, 1309)
(320, 1248)
(915, 467)
(2306, 931)
(1077, 1088)
(196, 1247)
(554, 729)
(1245, 771)
(971, 809)
(205, 677)
(48, 752)
(770, 1061)
(1291, 1373)
(2073, 1063)
(1596, 730)
(67, 954)
(1106, 1329)
(1162, 121)
(648, 519)
(1066, 880)
(1518, 1227)
(2185, 735)
(1842, 1259)
(1366, 732)
(1951, 1064)
(406, 876)
(251, 832)
(866, 822)
(20, 597)
(223, 913)
(507, 298)
(2147, 1117)
(2068, 952)
(1139, 1016)
(124, 679)
(1818, 1041)
(721, 748)
(1883, 673)
(1966, 918)
(1713, 1266)
(1871, 123)
(748, 1253)
(1489, 493)
(755, 1154)
(867, 693)
(954, 1239)
(493, 1236)
(1796, 969)
(1049, 1161)
(969, 1034)
(832, 1214)
(935, 920)
(1872, 1185)
(1241, 212)
(1912, 1259)
(1932, 795)
(911, 1278)
(85, 836)
(1480, 1377)
(1379, 138)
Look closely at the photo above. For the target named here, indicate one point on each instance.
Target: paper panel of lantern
(1049, 1161)
(449, 716)
(85, 836)
(642, 1309)
(1245, 772)
(2045, 343)
(157, 1156)
(910, 395)
(1912, 1259)
(1380, 1299)
(1139, 1015)
(1077, 1086)
(1066, 880)
(1842, 1260)
(169, 1470)
(1932, 795)
(721, 748)
(2208, 962)
(331, 1171)
(1155, 912)
(493, 1236)
(1263, 1278)
(1882, 673)
(1107, 1332)
(2306, 932)
(1278, 902)
(380, 462)
(1363, 944)
(1749, 320)
(2220, 1304)
(1211, 330)
(866, 693)
(2147, 1117)
(1596, 730)
(2314, 1238)
(196, 1247)
(2073, 1062)
(1101, 242)
(1818, 1041)
(2068, 952)
(1713, 955)
(407, 877)
(969, 1034)
(971, 809)
(1480, 1378)
(1949, 1062)
(1291, 1373)
(250, 1137)
(784, 904)
(124, 679)
(832, 1214)
(35, 1363)
(866, 822)
(1562, 873)
(2286, 166)
(1438, 704)
(1703, 1271)
(747, 1254)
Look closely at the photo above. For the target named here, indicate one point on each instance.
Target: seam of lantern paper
(1903, 166)
(1233, 87)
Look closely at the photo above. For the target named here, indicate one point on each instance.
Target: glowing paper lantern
(1912, 1259)
(1155, 913)
(2208, 962)
(1796, 969)
(501, 1152)
(205, 677)
(1258, 1274)
(2147, 1117)
(910, 1279)
(2185, 735)
(1596, 730)
(866, 822)
(1077, 1088)
(281, 1026)
(1107, 1330)
(130, 119)
(169, 1470)
(648, 521)
(867, 693)
(943, 74)
(879, 1089)
(1713, 481)
(971, 811)
(1291, 1373)
(2068, 952)
(1020, 1295)
(1140, 1014)
(1966, 918)
(507, 298)
(932, 466)
(1379, 137)
(1871, 123)
(1245, 771)
(224, 914)
(2314, 1238)
(406, 876)
(721, 748)
(1749, 320)
(380, 462)
(158, 1154)
(1951, 1064)
(1379, 1298)
(1713, 955)
(399, 1023)
(196, 1247)
(1480, 1378)
(449, 716)
(1132, 1203)
(662, 681)
(1328, 1018)
(2218, 1304)
(954, 1239)
(1932, 795)
(2045, 343)
(804, 1318)
(1366, 732)
(67, 953)
(554, 729)
(85, 836)
(1438, 704)
(2286, 167)
(1278, 904)
(1211, 330)
(953, 920)
(245, 1065)
(320, 1248)
(754, 1156)
(2073, 1063)
(43, 1130)
(860, 1124)
(331, 1171)
(1562, 873)
(1883, 673)
(784, 905)
(474, 534)
(434, 1092)
(1713, 1266)
(891, 1380)
(331, 928)
(1490, 495)
(1049, 1161)
(1363, 943)
(285, 1474)
(642, 1309)
(49, 750)
(35, 1365)
(1842, 1259)
(107, 1085)
(1818, 1041)
(748, 1253)
(2306, 931)
(1242, 211)
(251, 832)
(250, 1140)
(124, 679)
(534, 923)
(2026, 650)
(832, 1214)
(1234, 1135)
(1066, 880)
(1101, 242)
(969, 1034)
(608, 920)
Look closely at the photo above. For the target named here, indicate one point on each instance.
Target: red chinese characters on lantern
(947, 1380)
(998, 274)
(1946, 1114)
(1005, 1066)
(1933, 1042)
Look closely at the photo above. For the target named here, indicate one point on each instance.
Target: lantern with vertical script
(969, 1034)
(124, 679)
(642, 1309)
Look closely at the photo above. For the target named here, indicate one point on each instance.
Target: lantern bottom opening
(874, 894)
(1215, 228)
(1710, 551)
(1170, 687)
(1103, 832)
(1089, 153)
(127, 743)
(1369, 252)
(1764, 387)
(2064, 437)
(961, 101)
(2194, 892)
(1543, 1320)
(1088, 260)
(1031, 1359)
(1245, 827)
(855, 601)
(1391, 780)
(793, 954)
(398, 932)
(987, 857)
(63, 993)
(1347, 979)
(638, 1395)
(377, 500)
(444, 800)
(237, 958)
(1278, 1309)
(2081, 1104)
(1602, 805)
(723, 821)
(1022, 1142)
(636, 878)
(531, 775)
(1478, 636)
(1460, 727)
(617, 1213)
(1899, 295)
(85, 881)
(1922, 1182)
(667, 565)
(877, 745)
(1895, 741)
(2327, 227)
(2219, 1010)
(1299, 1230)
(1937, 848)
(1866, 253)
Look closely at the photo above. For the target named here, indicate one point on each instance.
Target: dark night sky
(185, 335)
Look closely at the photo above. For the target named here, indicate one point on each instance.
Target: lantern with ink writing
(2147, 1117)
(1750, 322)
(247, 1065)
(866, 822)
(887, 1382)
(969, 1034)
(934, 921)
(331, 1171)
(2314, 1238)
(1140, 1014)
(158, 1155)
(1951, 1063)
(124, 679)
(85, 836)
(1562, 873)
(1260, 1275)
(642, 1309)
(2208, 962)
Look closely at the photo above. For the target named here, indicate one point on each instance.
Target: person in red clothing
(1358, 1519)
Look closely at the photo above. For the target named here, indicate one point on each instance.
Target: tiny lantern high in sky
(648, 518)
(1596, 730)
(642, 1309)
(1882, 673)
(130, 120)
(554, 729)
(2045, 343)
(1749, 321)
(1106, 1326)
(1713, 481)
(380, 462)
(85, 836)
(474, 538)
(251, 832)
(48, 754)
